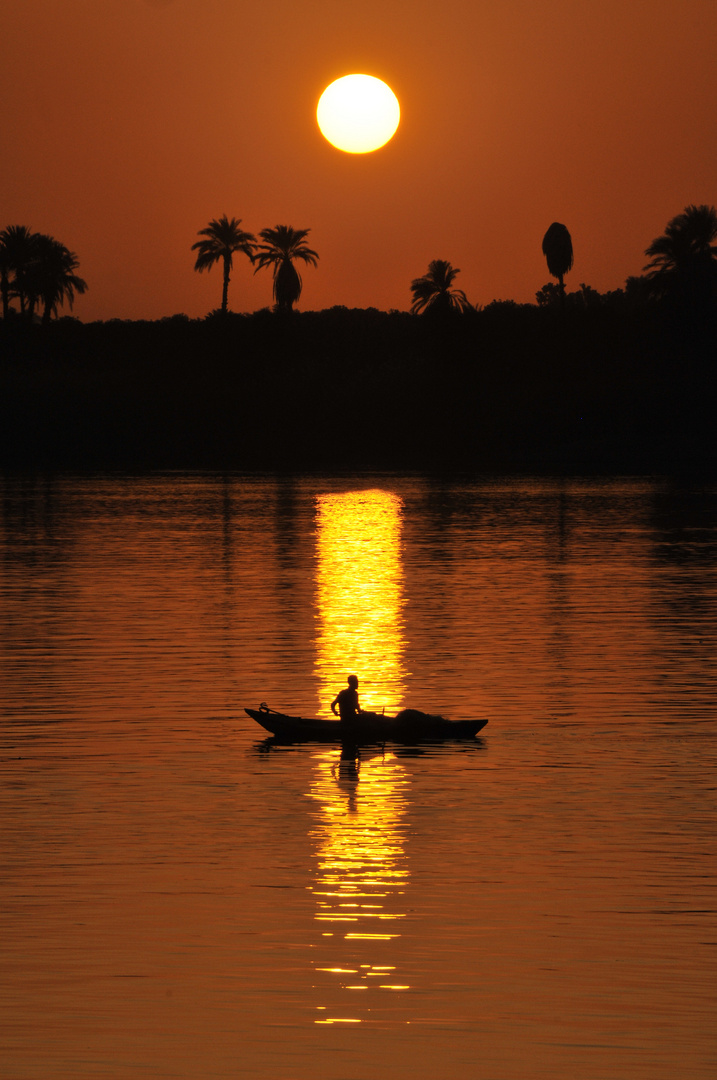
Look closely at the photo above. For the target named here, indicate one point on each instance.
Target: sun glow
(358, 113)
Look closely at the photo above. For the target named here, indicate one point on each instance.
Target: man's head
(353, 682)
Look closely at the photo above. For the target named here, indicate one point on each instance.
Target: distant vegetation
(37, 271)
(683, 261)
(279, 249)
(613, 382)
(221, 240)
(558, 250)
(434, 292)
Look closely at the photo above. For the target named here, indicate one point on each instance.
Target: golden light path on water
(359, 595)
(361, 878)
(361, 866)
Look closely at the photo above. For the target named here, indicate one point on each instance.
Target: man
(347, 701)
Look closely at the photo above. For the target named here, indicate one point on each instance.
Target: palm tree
(558, 250)
(434, 291)
(683, 261)
(17, 244)
(51, 278)
(281, 246)
(5, 270)
(222, 238)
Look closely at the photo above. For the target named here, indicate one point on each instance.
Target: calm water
(179, 898)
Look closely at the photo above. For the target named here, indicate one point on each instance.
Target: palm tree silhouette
(558, 250)
(281, 246)
(5, 271)
(222, 238)
(434, 291)
(17, 251)
(683, 261)
(51, 277)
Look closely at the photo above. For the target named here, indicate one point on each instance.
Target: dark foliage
(279, 249)
(609, 386)
(435, 294)
(221, 240)
(558, 251)
(37, 271)
(683, 261)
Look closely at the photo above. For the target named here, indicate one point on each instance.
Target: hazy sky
(128, 124)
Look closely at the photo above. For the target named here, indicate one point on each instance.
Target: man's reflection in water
(348, 773)
(360, 882)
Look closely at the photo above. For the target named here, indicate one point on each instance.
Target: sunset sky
(128, 124)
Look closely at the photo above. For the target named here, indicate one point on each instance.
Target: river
(180, 897)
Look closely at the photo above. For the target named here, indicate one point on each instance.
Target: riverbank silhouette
(606, 386)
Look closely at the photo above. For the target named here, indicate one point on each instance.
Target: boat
(408, 726)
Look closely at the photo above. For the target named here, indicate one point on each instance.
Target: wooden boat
(408, 726)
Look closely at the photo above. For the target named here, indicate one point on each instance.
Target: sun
(358, 113)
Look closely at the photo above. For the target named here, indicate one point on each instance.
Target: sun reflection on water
(361, 866)
(359, 592)
(361, 878)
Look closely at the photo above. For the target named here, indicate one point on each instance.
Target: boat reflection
(361, 866)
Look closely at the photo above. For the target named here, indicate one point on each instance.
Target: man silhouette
(348, 702)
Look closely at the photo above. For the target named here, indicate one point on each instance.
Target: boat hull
(409, 726)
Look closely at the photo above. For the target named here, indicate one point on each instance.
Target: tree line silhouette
(625, 381)
(37, 270)
(682, 267)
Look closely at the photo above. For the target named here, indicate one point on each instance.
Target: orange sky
(128, 124)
